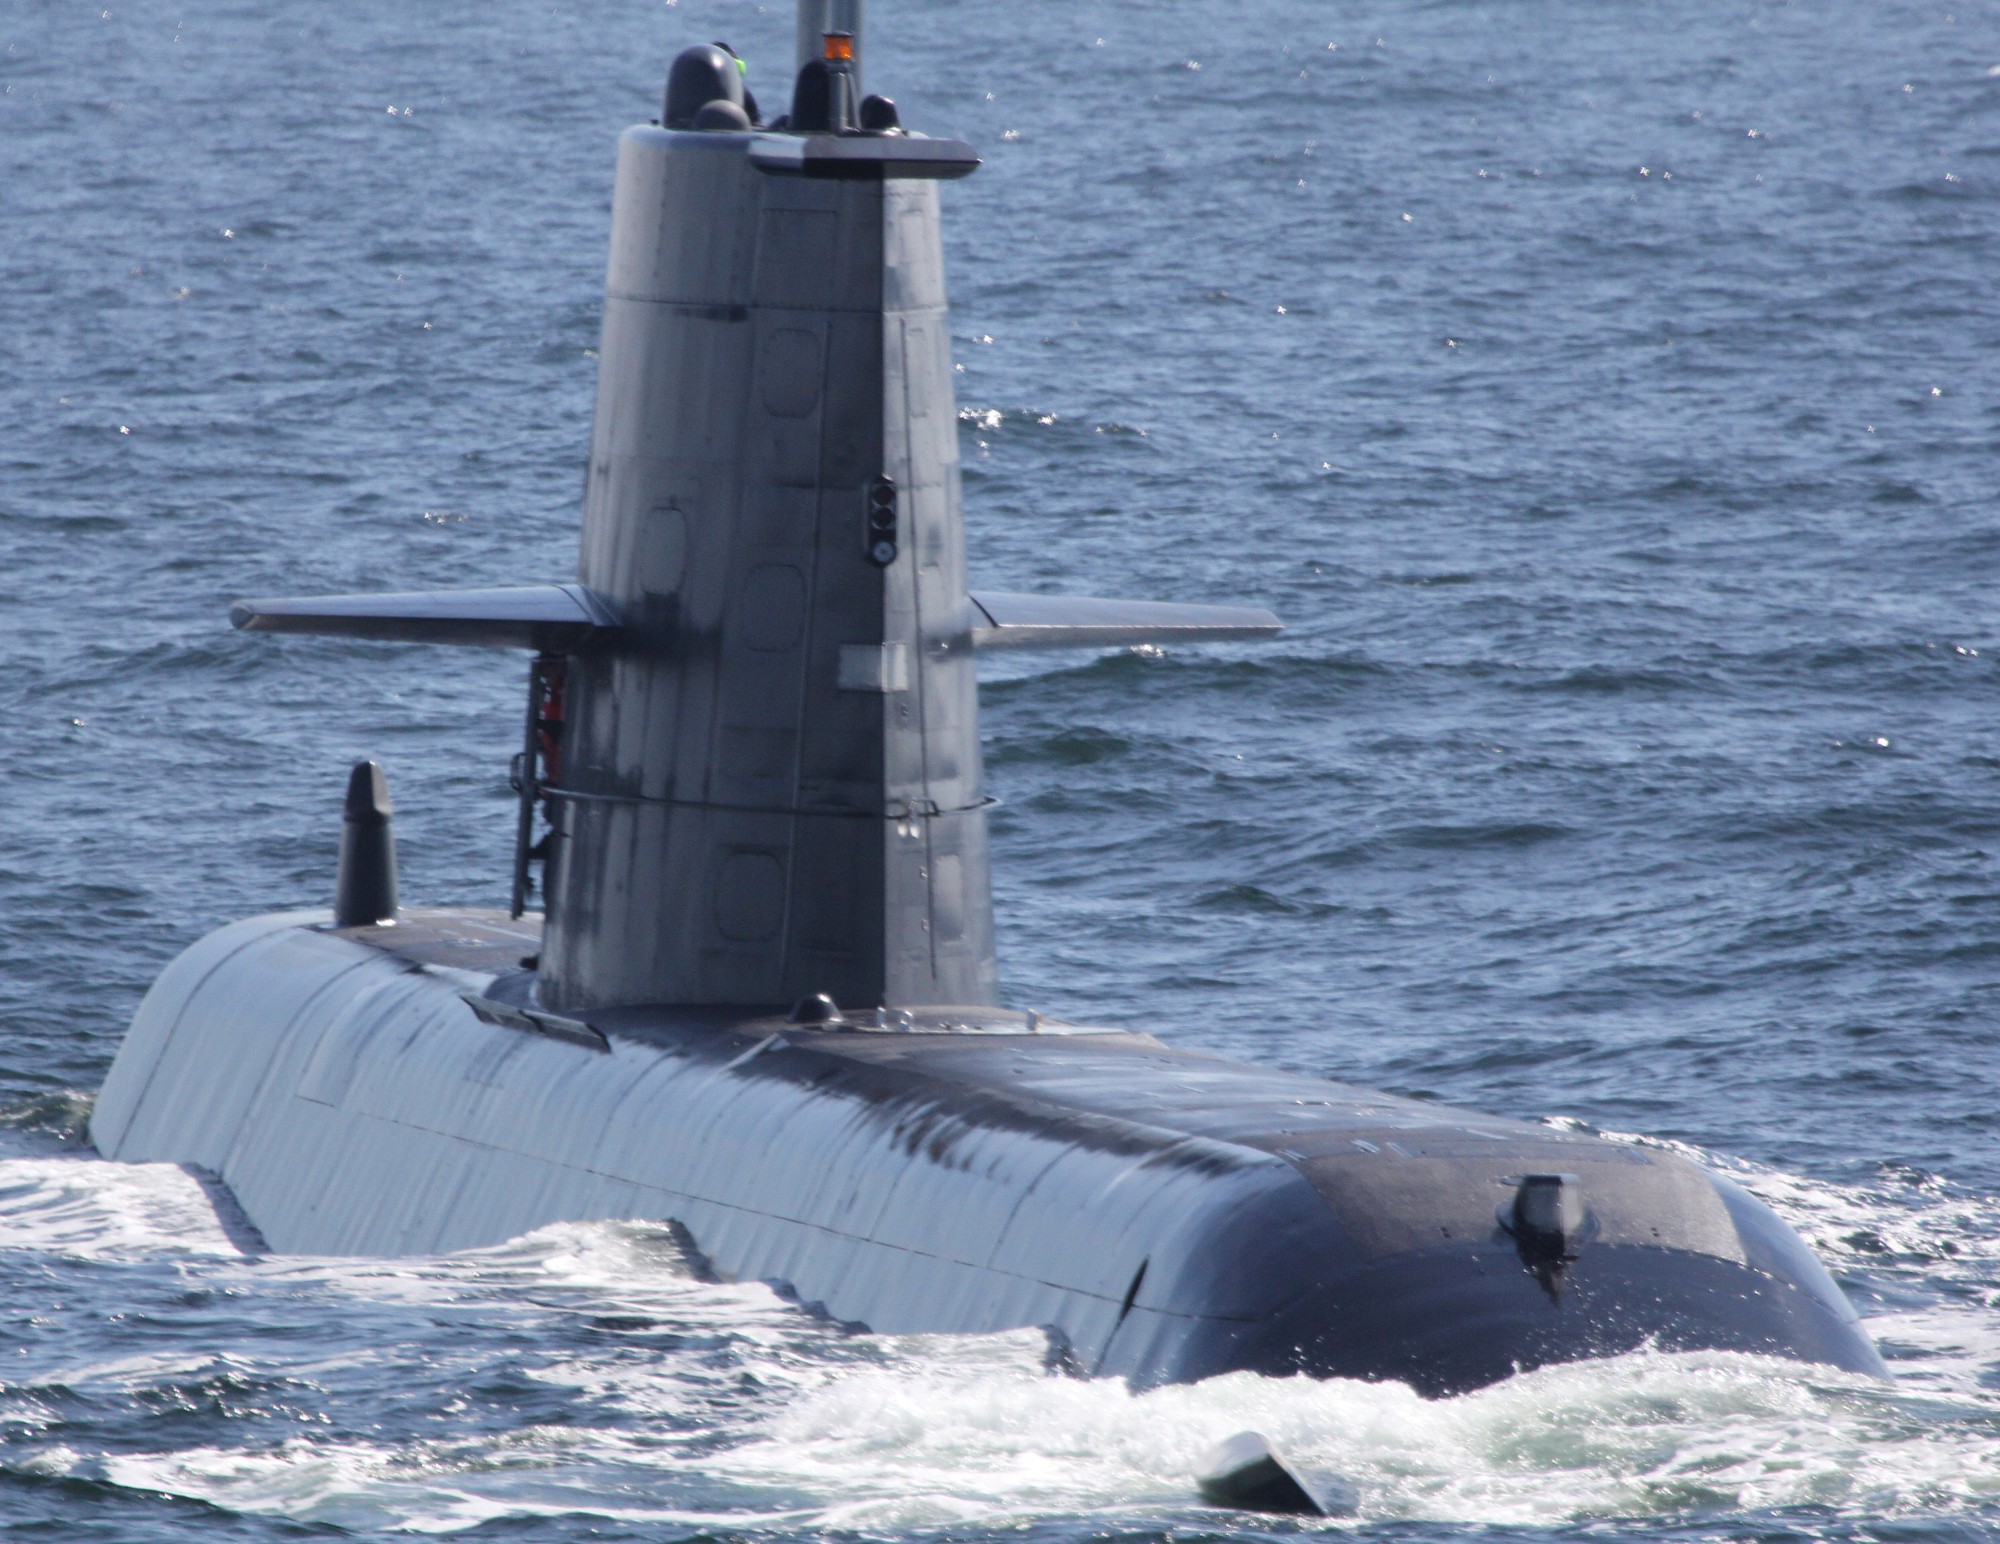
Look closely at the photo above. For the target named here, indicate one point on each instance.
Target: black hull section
(1446, 1324)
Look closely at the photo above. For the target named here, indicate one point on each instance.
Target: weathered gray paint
(772, 784)
(361, 1091)
(771, 776)
(357, 1106)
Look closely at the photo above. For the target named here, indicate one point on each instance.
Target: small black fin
(1246, 1472)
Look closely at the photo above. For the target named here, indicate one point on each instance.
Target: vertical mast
(819, 17)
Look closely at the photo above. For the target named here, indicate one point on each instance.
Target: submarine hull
(1166, 1215)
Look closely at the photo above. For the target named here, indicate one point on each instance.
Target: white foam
(1637, 1436)
(780, 1421)
(432, 1487)
(961, 1432)
(85, 1207)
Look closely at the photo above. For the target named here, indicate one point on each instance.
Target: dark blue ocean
(1607, 397)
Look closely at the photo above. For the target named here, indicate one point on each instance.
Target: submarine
(747, 986)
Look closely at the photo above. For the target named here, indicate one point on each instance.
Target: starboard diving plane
(760, 1000)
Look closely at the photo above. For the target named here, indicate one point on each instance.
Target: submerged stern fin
(1247, 1473)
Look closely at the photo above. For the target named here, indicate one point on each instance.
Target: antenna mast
(819, 17)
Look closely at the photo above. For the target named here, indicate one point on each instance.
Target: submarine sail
(761, 999)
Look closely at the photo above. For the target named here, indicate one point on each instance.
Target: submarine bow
(761, 998)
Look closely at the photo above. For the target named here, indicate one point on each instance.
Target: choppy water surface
(1605, 395)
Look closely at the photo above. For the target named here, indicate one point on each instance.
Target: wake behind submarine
(761, 999)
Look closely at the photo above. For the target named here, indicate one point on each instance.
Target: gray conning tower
(753, 721)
